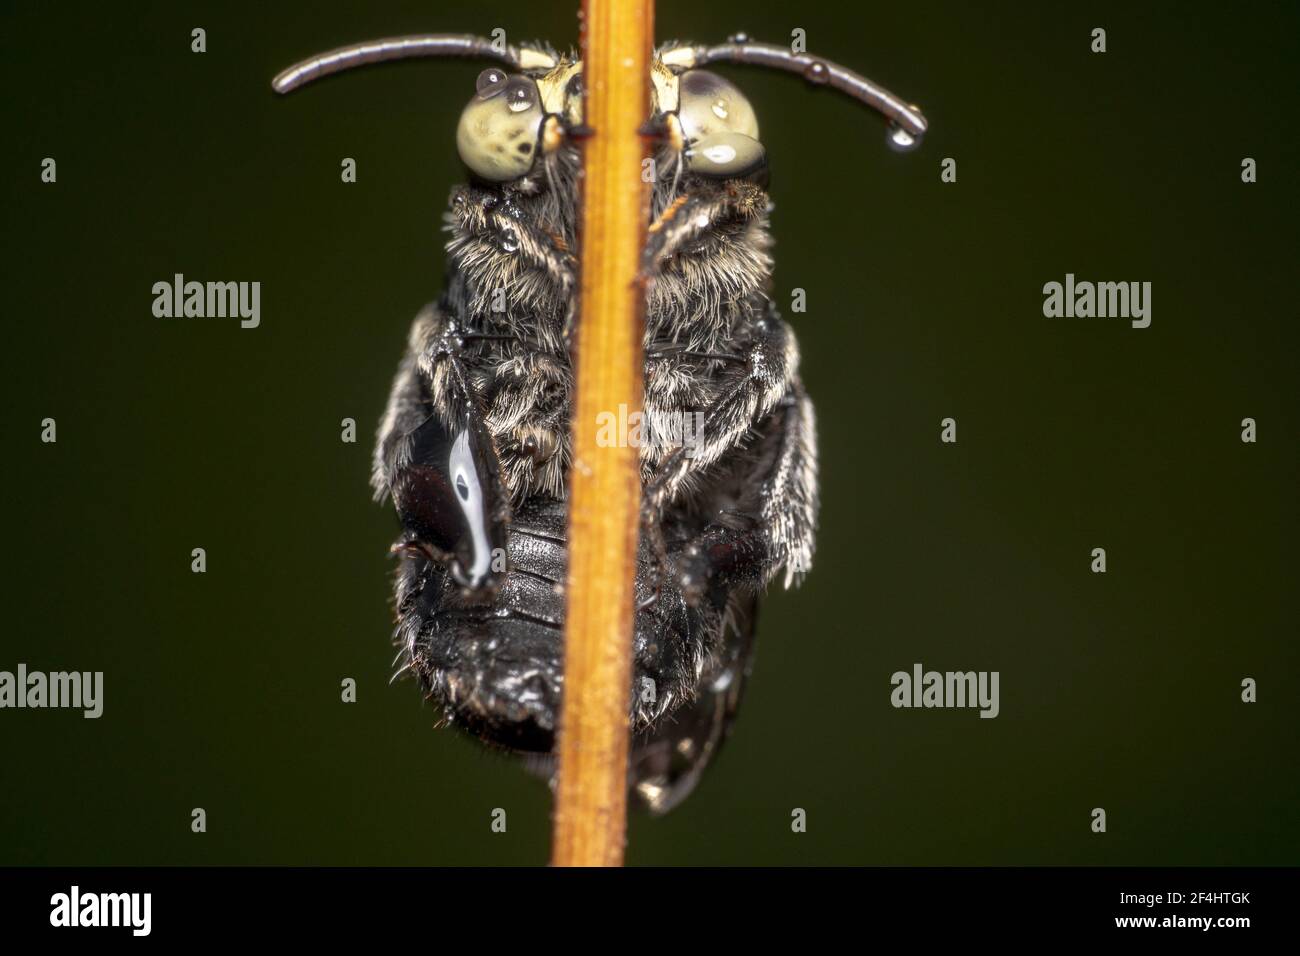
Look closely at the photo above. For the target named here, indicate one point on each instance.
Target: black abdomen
(495, 659)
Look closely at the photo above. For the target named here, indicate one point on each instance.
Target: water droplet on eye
(738, 38)
(720, 109)
(722, 155)
(817, 72)
(518, 100)
(489, 83)
(902, 140)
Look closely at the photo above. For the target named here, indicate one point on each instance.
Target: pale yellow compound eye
(709, 103)
(719, 125)
(497, 134)
(725, 154)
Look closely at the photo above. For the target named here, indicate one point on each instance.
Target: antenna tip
(287, 81)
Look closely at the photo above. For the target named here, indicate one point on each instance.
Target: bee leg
(490, 222)
(430, 378)
(437, 460)
(748, 394)
(493, 220)
(780, 513)
(652, 530)
(670, 352)
(694, 215)
(408, 405)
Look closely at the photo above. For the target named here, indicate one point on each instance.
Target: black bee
(474, 448)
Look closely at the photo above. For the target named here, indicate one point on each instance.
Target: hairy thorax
(513, 272)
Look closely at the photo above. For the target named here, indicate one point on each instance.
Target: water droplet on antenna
(901, 140)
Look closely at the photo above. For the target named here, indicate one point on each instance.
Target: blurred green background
(924, 301)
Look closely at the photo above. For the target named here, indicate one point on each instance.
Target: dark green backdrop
(924, 301)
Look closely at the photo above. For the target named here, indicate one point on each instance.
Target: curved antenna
(395, 48)
(907, 123)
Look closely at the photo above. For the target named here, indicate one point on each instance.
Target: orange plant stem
(604, 483)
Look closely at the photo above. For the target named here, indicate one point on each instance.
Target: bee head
(710, 121)
(513, 118)
(498, 133)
